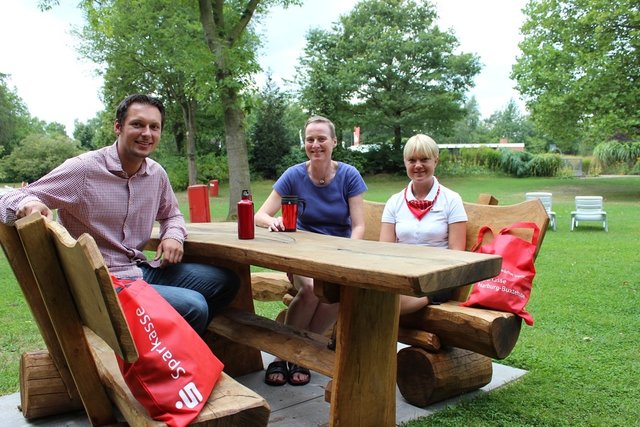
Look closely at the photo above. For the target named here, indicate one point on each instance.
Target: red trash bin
(213, 188)
(198, 203)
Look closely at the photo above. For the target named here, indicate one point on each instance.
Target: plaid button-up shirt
(94, 195)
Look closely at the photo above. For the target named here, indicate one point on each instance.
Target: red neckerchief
(420, 208)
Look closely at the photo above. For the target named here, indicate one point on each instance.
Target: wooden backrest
(90, 284)
(589, 204)
(496, 217)
(52, 284)
(17, 259)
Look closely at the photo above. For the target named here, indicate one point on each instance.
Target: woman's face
(420, 169)
(318, 143)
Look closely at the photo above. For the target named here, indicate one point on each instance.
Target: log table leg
(364, 382)
(238, 359)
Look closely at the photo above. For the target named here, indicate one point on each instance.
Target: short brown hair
(320, 119)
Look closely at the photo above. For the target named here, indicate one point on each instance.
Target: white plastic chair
(545, 198)
(589, 208)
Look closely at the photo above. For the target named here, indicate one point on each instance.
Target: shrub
(176, 167)
(36, 156)
(383, 159)
(294, 156)
(616, 156)
(213, 166)
(544, 165)
(353, 158)
(515, 162)
(485, 157)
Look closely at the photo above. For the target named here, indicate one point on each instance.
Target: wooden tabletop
(389, 267)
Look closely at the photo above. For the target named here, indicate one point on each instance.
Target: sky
(38, 51)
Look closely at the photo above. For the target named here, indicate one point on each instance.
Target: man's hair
(320, 119)
(138, 98)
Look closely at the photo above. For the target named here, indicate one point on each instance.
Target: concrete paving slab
(291, 406)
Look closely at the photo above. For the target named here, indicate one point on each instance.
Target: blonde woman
(425, 212)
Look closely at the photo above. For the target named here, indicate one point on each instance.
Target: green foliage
(15, 121)
(269, 136)
(294, 156)
(515, 162)
(36, 156)
(213, 166)
(176, 167)
(384, 159)
(545, 165)
(617, 156)
(354, 158)
(522, 163)
(578, 69)
(85, 133)
(485, 157)
(391, 56)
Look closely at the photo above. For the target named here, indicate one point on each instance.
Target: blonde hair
(422, 146)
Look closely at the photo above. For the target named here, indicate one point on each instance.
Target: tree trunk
(237, 154)
(397, 137)
(220, 42)
(188, 113)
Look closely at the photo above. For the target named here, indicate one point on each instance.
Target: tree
(507, 123)
(36, 156)
(169, 61)
(85, 133)
(579, 68)
(469, 129)
(225, 24)
(15, 121)
(388, 63)
(269, 134)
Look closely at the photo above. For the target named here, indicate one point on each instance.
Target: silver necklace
(321, 181)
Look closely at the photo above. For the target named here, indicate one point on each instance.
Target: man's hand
(34, 206)
(170, 250)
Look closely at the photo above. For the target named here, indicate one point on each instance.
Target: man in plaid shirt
(116, 194)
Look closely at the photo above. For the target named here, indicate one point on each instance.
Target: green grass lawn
(582, 353)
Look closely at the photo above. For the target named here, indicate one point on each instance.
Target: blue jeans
(196, 291)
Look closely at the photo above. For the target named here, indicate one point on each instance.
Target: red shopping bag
(176, 371)
(510, 290)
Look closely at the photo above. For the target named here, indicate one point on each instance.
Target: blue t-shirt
(326, 208)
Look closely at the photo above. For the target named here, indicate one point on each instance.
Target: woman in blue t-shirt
(333, 204)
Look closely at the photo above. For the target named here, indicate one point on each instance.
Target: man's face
(140, 132)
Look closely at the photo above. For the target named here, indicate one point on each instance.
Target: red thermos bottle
(245, 216)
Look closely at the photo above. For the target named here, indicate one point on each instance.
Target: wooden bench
(451, 347)
(85, 314)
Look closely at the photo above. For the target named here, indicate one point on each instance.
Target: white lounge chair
(545, 198)
(589, 208)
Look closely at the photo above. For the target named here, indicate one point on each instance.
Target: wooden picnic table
(372, 275)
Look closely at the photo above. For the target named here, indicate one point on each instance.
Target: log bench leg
(42, 390)
(425, 377)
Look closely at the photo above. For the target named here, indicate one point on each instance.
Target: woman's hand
(276, 225)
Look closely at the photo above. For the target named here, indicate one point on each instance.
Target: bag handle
(481, 233)
(531, 225)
